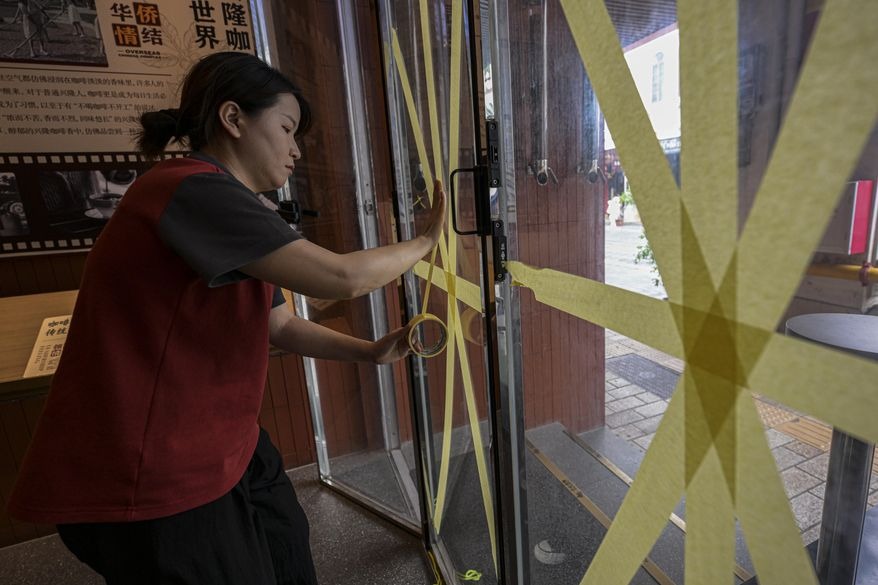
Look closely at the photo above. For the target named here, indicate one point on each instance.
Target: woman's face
(267, 145)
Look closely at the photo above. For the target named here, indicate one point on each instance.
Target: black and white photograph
(51, 31)
(79, 203)
(13, 220)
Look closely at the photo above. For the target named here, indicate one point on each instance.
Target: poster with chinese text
(75, 75)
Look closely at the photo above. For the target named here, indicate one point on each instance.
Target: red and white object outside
(851, 229)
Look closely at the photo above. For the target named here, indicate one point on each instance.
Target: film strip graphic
(58, 202)
(57, 158)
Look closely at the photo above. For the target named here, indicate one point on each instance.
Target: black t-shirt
(218, 225)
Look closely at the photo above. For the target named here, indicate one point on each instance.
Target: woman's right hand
(437, 215)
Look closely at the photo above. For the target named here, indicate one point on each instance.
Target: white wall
(664, 114)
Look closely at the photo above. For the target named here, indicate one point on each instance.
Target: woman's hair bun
(157, 129)
(171, 114)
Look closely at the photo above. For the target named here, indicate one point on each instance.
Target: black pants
(257, 534)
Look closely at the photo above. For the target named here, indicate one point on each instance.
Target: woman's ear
(230, 118)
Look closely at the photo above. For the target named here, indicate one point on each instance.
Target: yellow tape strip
(466, 291)
(789, 370)
(834, 386)
(454, 93)
(449, 261)
(426, 301)
(448, 424)
(647, 319)
(709, 116)
(450, 269)
(710, 514)
(451, 286)
(412, 109)
(427, 48)
(478, 445)
(435, 567)
(709, 179)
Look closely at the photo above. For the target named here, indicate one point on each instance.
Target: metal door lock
(499, 236)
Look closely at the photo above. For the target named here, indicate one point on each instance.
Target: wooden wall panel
(560, 226)
(17, 422)
(24, 275)
(325, 182)
(298, 408)
(285, 411)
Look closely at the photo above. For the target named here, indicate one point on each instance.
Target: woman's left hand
(392, 347)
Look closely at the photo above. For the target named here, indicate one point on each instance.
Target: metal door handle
(473, 170)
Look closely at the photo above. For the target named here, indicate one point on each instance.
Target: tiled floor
(799, 443)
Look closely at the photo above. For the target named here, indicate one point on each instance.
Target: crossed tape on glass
(455, 350)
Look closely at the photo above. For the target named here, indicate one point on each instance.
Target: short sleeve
(217, 225)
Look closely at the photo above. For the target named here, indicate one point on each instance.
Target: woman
(148, 455)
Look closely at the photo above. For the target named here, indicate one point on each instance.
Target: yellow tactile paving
(815, 433)
(808, 431)
(773, 415)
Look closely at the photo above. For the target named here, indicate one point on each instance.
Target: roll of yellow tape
(414, 338)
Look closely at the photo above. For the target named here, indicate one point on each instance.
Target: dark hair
(217, 78)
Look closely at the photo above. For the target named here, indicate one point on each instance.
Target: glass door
(632, 402)
(341, 198)
(415, 444)
(674, 195)
(431, 54)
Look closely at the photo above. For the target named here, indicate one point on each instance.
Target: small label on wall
(47, 349)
